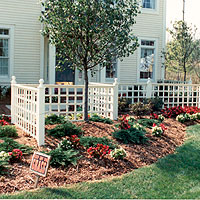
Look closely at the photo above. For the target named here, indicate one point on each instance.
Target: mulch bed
(89, 169)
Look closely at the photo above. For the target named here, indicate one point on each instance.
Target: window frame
(154, 11)
(10, 37)
(110, 80)
(155, 47)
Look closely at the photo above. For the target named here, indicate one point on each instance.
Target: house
(25, 53)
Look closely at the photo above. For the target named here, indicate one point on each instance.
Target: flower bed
(104, 162)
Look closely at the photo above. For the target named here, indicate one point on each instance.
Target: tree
(88, 33)
(179, 50)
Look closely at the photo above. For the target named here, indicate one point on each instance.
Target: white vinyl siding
(148, 25)
(24, 17)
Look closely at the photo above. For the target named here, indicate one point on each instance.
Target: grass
(176, 176)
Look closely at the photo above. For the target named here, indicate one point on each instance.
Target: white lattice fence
(30, 103)
(177, 94)
(26, 109)
(69, 100)
(171, 94)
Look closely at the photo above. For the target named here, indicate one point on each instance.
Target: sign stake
(36, 181)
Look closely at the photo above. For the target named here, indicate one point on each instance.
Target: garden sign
(39, 165)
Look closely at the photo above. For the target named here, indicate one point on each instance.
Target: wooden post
(36, 180)
(149, 89)
(13, 82)
(40, 131)
(115, 100)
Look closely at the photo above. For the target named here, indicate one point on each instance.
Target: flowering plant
(4, 156)
(158, 130)
(75, 140)
(4, 120)
(158, 117)
(99, 151)
(118, 153)
(138, 127)
(16, 155)
(124, 123)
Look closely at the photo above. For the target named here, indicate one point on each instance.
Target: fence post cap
(13, 81)
(41, 81)
(115, 81)
(148, 81)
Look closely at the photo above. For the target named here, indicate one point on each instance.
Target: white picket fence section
(30, 104)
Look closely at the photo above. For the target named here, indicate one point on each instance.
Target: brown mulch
(20, 178)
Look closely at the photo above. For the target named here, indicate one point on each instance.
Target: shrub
(99, 151)
(158, 130)
(16, 155)
(131, 135)
(61, 158)
(140, 109)
(93, 141)
(118, 153)
(65, 145)
(54, 119)
(4, 161)
(9, 144)
(156, 103)
(123, 104)
(148, 123)
(8, 131)
(97, 118)
(5, 118)
(66, 129)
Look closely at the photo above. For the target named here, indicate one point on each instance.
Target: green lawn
(176, 176)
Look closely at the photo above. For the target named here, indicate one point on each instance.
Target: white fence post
(40, 130)
(149, 89)
(115, 100)
(13, 82)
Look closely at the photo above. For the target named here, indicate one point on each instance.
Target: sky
(192, 13)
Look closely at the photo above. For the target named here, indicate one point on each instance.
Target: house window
(111, 71)
(4, 52)
(150, 4)
(147, 59)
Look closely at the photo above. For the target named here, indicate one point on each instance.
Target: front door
(67, 74)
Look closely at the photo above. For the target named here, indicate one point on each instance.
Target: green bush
(93, 141)
(148, 123)
(61, 158)
(123, 104)
(65, 145)
(54, 119)
(156, 103)
(140, 109)
(66, 129)
(8, 131)
(9, 144)
(97, 118)
(131, 135)
(118, 153)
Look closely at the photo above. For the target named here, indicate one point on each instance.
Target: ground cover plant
(66, 129)
(89, 141)
(97, 118)
(8, 131)
(148, 123)
(54, 119)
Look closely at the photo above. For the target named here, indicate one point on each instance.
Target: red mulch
(20, 178)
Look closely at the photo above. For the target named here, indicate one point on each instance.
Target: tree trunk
(185, 72)
(86, 95)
